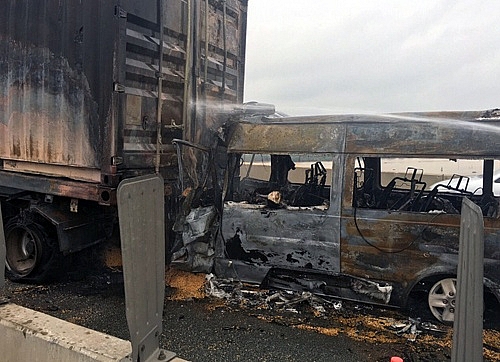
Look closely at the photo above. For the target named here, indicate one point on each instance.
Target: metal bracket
(116, 160)
(120, 12)
(73, 205)
(118, 88)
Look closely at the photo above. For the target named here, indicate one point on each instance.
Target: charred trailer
(93, 92)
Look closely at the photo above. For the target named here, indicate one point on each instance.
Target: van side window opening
(302, 180)
(424, 185)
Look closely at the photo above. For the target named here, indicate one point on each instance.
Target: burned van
(342, 205)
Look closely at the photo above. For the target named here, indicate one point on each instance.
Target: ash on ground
(208, 319)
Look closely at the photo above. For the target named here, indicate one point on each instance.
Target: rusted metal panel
(60, 187)
(468, 326)
(80, 82)
(400, 136)
(201, 70)
(393, 240)
(49, 92)
(283, 137)
(281, 238)
(75, 173)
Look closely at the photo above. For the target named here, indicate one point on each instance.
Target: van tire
(442, 300)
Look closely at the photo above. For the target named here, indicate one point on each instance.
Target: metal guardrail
(468, 325)
(142, 232)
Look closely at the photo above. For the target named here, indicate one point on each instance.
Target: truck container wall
(79, 86)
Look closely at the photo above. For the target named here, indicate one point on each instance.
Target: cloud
(373, 56)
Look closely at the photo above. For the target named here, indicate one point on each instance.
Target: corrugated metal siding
(186, 108)
(79, 79)
(141, 71)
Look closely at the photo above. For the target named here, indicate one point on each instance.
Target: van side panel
(281, 238)
(402, 247)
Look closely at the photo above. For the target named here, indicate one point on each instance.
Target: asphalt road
(198, 333)
(210, 329)
(195, 329)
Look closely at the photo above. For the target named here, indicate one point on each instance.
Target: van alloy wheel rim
(442, 300)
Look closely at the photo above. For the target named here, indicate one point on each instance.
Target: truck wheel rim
(22, 251)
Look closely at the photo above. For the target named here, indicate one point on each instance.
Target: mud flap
(142, 232)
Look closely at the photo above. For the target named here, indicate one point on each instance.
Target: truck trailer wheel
(30, 252)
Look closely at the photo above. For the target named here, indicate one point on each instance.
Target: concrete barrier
(28, 335)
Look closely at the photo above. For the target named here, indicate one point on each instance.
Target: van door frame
(250, 220)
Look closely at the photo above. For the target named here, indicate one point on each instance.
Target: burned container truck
(93, 92)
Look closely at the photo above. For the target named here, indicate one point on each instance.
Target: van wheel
(442, 300)
(30, 252)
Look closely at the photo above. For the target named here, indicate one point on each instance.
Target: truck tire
(30, 253)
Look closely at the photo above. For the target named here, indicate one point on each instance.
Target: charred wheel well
(24, 214)
(426, 283)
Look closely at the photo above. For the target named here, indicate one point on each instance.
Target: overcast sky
(336, 56)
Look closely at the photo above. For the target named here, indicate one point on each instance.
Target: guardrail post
(468, 326)
(142, 232)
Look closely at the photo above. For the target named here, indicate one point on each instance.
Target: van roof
(399, 135)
